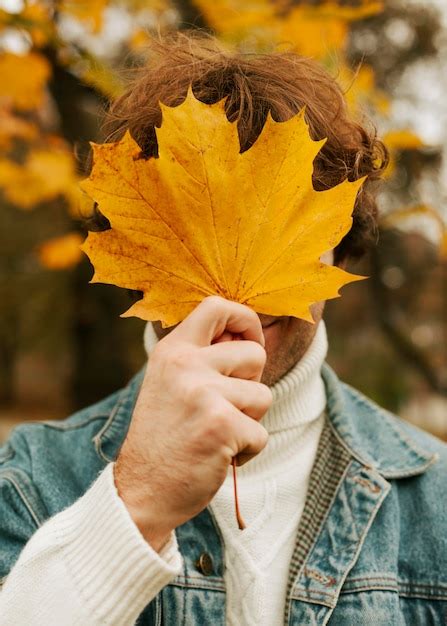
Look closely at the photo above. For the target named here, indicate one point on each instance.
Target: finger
(241, 359)
(250, 437)
(215, 315)
(226, 336)
(251, 397)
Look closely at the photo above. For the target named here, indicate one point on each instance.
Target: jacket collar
(370, 434)
(373, 436)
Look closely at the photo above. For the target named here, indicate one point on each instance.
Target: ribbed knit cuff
(116, 572)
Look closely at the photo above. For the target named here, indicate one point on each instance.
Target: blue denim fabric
(379, 558)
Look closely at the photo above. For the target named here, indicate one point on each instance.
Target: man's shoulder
(379, 415)
(55, 436)
(59, 459)
(381, 439)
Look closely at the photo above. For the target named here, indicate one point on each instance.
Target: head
(253, 85)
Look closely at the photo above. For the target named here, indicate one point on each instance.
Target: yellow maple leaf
(60, 253)
(205, 219)
(23, 79)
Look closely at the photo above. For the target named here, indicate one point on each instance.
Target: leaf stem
(240, 521)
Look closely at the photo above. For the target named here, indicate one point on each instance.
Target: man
(123, 513)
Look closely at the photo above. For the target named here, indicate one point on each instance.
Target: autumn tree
(61, 63)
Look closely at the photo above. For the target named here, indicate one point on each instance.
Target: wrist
(153, 533)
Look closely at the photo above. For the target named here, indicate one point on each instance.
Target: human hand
(199, 406)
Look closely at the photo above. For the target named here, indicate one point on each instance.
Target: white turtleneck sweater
(89, 564)
(272, 488)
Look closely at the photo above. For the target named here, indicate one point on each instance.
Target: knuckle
(258, 353)
(260, 438)
(176, 360)
(217, 423)
(180, 359)
(214, 303)
(192, 392)
(264, 395)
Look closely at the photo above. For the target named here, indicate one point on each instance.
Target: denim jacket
(371, 547)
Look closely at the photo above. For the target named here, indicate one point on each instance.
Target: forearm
(87, 564)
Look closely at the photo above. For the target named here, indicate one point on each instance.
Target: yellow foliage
(205, 219)
(333, 9)
(403, 140)
(443, 245)
(12, 126)
(143, 5)
(37, 21)
(88, 11)
(23, 79)
(60, 253)
(237, 19)
(140, 38)
(312, 32)
(400, 217)
(309, 30)
(315, 31)
(45, 175)
(396, 141)
(104, 79)
(360, 89)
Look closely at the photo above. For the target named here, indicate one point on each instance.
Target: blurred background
(62, 343)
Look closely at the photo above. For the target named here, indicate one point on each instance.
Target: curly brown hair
(253, 85)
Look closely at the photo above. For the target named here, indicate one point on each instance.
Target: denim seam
(402, 589)
(320, 601)
(200, 579)
(97, 439)
(158, 609)
(199, 585)
(63, 427)
(399, 582)
(15, 484)
(421, 596)
(348, 448)
(372, 517)
(415, 471)
(7, 456)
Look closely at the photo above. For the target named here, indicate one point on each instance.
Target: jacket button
(205, 564)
